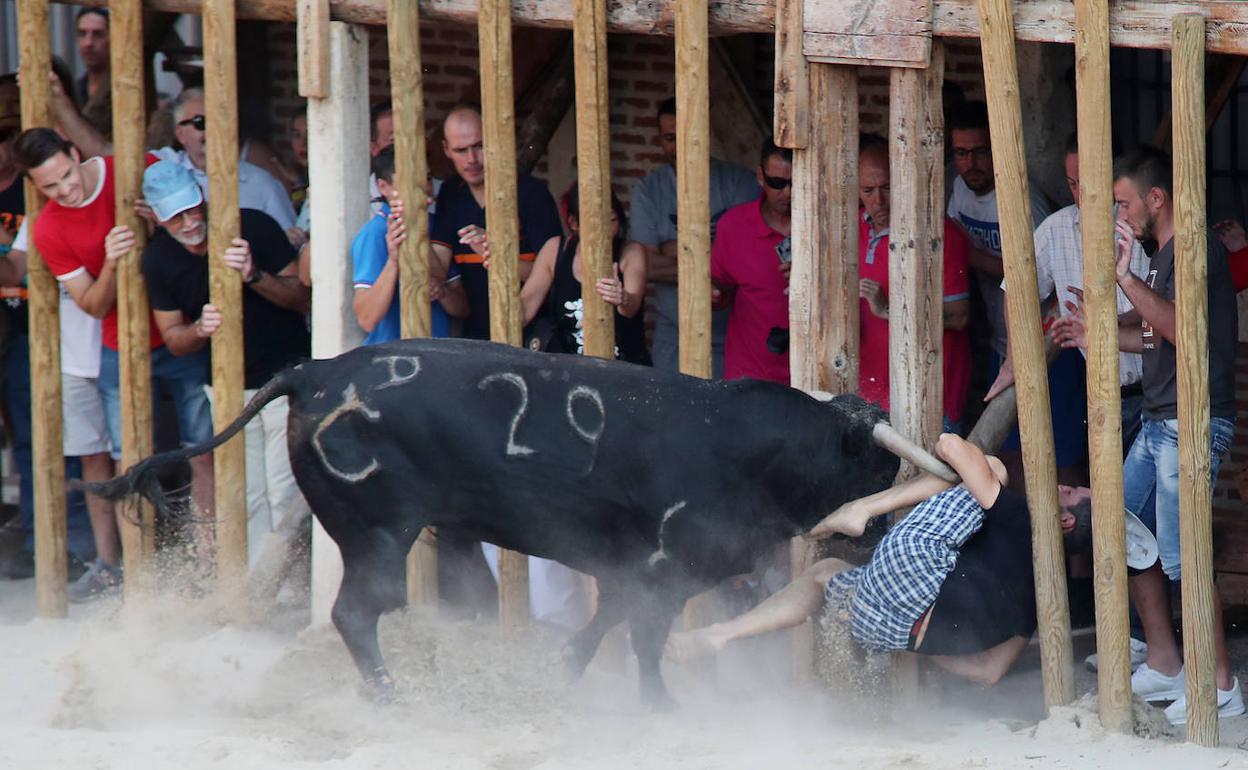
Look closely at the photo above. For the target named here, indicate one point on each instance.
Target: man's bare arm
(1150, 305)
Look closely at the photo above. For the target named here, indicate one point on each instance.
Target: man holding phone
(750, 269)
(375, 260)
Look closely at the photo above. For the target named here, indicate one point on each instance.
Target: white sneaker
(1139, 654)
(1230, 704)
(1155, 686)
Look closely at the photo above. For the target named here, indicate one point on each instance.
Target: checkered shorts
(884, 598)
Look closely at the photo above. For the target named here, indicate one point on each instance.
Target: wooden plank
(792, 89)
(823, 283)
(411, 169)
(498, 116)
(1026, 340)
(544, 107)
(337, 150)
(593, 163)
(896, 33)
(312, 47)
(1191, 273)
(226, 292)
(1100, 293)
(138, 526)
(47, 456)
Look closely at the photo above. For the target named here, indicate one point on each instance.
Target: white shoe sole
(1223, 713)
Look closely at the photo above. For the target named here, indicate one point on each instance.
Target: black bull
(657, 484)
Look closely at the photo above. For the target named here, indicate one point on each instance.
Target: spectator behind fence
(257, 189)
(93, 90)
(460, 229)
(297, 136)
(176, 267)
(750, 265)
(873, 259)
(552, 300)
(375, 260)
(653, 230)
(1144, 194)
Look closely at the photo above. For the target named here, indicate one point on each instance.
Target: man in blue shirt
(374, 255)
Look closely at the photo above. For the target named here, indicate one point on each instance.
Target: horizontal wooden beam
(1133, 23)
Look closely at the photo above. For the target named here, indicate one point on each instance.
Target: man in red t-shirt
(750, 270)
(873, 191)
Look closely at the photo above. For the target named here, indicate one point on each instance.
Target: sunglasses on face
(197, 122)
(776, 182)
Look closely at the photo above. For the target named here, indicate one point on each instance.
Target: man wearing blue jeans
(1143, 193)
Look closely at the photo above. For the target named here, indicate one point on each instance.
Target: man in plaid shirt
(952, 580)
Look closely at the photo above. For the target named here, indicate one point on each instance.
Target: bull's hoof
(659, 703)
(381, 690)
(574, 662)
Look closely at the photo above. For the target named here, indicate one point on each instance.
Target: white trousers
(274, 502)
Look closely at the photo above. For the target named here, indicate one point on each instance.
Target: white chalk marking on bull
(350, 403)
(397, 377)
(661, 554)
(590, 437)
(513, 449)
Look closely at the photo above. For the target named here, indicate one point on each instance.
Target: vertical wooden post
(411, 169)
(498, 112)
(823, 284)
(1191, 267)
(47, 456)
(226, 291)
(134, 331)
(996, 26)
(792, 125)
(593, 163)
(1100, 294)
(693, 205)
(337, 155)
(312, 47)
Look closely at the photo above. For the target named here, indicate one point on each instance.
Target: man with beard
(750, 269)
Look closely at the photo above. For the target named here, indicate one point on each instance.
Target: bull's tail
(143, 478)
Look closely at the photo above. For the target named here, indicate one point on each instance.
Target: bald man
(873, 192)
(459, 230)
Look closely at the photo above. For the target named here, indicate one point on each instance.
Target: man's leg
(185, 377)
(788, 607)
(259, 517)
(104, 524)
(985, 668)
(1150, 592)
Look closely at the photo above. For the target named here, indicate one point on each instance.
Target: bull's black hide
(657, 484)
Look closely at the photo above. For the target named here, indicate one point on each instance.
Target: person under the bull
(952, 580)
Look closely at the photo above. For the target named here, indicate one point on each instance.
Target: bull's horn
(887, 437)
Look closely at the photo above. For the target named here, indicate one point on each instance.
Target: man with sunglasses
(750, 271)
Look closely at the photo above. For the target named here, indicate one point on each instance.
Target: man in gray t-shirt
(652, 227)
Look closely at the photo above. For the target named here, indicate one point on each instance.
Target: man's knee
(822, 571)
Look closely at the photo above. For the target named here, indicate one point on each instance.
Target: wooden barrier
(337, 151)
(47, 456)
(502, 225)
(407, 96)
(1191, 268)
(593, 165)
(226, 292)
(138, 526)
(792, 85)
(1026, 340)
(823, 282)
(1100, 294)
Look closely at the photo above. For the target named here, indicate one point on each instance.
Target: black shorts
(989, 596)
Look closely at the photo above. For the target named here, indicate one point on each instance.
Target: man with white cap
(176, 267)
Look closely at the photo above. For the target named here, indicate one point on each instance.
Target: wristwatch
(256, 275)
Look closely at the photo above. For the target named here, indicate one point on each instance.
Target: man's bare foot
(849, 519)
(687, 645)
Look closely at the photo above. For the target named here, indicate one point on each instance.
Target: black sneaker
(19, 566)
(99, 580)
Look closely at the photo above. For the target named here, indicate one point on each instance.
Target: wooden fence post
(138, 528)
(1026, 339)
(593, 155)
(47, 455)
(502, 225)
(1100, 294)
(1191, 273)
(411, 169)
(337, 155)
(792, 85)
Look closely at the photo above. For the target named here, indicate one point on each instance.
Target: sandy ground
(165, 685)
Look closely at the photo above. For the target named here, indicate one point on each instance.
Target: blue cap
(170, 189)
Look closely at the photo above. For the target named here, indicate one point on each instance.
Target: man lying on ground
(952, 580)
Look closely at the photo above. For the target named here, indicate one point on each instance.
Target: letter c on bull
(350, 403)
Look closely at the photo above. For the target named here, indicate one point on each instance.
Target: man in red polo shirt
(750, 270)
(873, 191)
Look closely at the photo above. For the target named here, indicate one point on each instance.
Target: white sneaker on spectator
(1230, 704)
(1139, 654)
(1152, 685)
